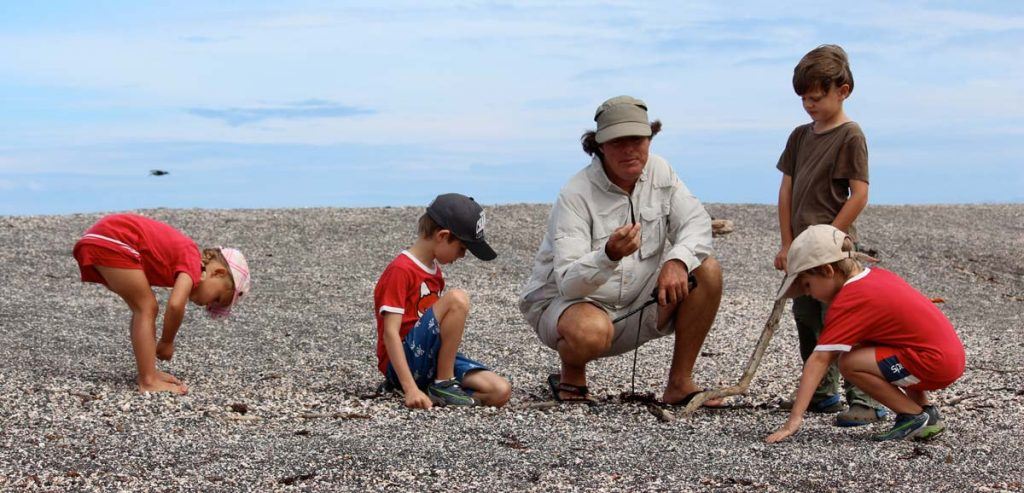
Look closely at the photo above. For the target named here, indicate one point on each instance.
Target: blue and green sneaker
(449, 393)
(906, 426)
(935, 424)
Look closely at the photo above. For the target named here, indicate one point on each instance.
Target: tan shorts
(545, 323)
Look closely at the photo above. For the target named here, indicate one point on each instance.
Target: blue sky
(252, 104)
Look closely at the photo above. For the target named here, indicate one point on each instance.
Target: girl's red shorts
(89, 255)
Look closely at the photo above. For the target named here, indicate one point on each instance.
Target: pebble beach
(283, 395)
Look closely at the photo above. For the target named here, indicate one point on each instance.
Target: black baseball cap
(465, 219)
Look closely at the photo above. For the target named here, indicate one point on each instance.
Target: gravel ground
(282, 396)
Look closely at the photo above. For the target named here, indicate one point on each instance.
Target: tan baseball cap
(818, 245)
(621, 116)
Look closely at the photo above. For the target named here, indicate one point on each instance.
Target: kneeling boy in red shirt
(891, 341)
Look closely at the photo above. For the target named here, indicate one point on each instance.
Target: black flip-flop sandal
(689, 397)
(580, 393)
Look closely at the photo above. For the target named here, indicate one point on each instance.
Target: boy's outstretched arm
(414, 397)
(785, 223)
(853, 207)
(173, 315)
(814, 370)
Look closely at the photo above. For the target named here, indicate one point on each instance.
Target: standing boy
(419, 329)
(890, 339)
(824, 181)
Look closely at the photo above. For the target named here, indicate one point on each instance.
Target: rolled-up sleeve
(689, 229)
(579, 269)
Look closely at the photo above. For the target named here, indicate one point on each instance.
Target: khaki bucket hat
(621, 116)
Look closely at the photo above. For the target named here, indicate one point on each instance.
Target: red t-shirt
(162, 250)
(879, 308)
(407, 287)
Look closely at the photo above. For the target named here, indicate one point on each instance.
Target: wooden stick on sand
(748, 373)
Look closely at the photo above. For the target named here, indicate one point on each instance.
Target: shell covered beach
(282, 396)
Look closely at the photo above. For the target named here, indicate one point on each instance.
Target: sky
(252, 104)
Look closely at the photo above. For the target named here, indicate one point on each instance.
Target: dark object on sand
(158, 172)
(651, 403)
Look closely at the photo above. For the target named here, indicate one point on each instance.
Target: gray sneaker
(826, 405)
(860, 415)
(906, 426)
(449, 393)
(935, 424)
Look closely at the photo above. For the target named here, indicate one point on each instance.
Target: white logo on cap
(480, 223)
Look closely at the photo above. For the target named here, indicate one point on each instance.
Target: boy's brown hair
(824, 67)
(426, 227)
(846, 266)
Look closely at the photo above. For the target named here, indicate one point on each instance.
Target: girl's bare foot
(167, 377)
(158, 384)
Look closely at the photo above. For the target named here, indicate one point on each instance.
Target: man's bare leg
(585, 333)
(693, 320)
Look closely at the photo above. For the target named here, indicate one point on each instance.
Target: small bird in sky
(158, 172)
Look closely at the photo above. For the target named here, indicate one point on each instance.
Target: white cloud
(478, 79)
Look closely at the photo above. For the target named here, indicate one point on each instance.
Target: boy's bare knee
(457, 299)
(502, 393)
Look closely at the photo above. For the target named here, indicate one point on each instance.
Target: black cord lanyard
(640, 319)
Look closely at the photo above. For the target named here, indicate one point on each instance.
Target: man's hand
(780, 258)
(672, 283)
(624, 241)
(787, 430)
(164, 350)
(416, 399)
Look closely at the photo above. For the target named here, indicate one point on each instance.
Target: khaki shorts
(544, 321)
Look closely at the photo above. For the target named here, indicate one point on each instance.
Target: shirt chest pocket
(652, 230)
(600, 230)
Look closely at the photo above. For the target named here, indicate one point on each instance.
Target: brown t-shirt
(822, 166)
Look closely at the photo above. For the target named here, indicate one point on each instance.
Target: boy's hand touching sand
(785, 431)
(416, 399)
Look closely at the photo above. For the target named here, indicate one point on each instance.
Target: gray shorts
(544, 321)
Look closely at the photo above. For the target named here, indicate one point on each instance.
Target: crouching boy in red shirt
(891, 341)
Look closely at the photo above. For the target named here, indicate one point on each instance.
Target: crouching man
(623, 228)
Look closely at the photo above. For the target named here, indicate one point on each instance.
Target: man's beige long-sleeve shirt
(572, 263)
